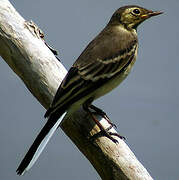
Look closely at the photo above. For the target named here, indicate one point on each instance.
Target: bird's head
(132, 16)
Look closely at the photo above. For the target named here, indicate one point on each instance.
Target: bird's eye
(136, 11)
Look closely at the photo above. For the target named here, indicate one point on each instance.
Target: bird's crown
(132, 16)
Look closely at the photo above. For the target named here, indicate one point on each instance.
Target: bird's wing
(100, 61)
(106, 67)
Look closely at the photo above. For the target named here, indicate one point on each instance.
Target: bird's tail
(39, 143)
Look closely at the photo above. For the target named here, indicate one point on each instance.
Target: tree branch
(23, 49)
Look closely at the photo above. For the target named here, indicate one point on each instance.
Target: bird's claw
(104, 132)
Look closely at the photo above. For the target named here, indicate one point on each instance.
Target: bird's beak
(150, 14)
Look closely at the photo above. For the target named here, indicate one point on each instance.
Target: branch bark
(23, 49)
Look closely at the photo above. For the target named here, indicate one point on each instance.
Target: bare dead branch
(24, 50)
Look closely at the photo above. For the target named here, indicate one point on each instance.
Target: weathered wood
(25, 52)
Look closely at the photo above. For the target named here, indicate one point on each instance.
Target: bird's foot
(106, 133)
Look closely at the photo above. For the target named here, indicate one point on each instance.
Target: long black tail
(39, 143)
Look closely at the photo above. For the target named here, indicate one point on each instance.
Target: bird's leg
(103, 114)
(103, 132)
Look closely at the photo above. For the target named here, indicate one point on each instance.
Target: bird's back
(111, 42)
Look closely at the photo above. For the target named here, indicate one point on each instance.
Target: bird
(102, 66)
